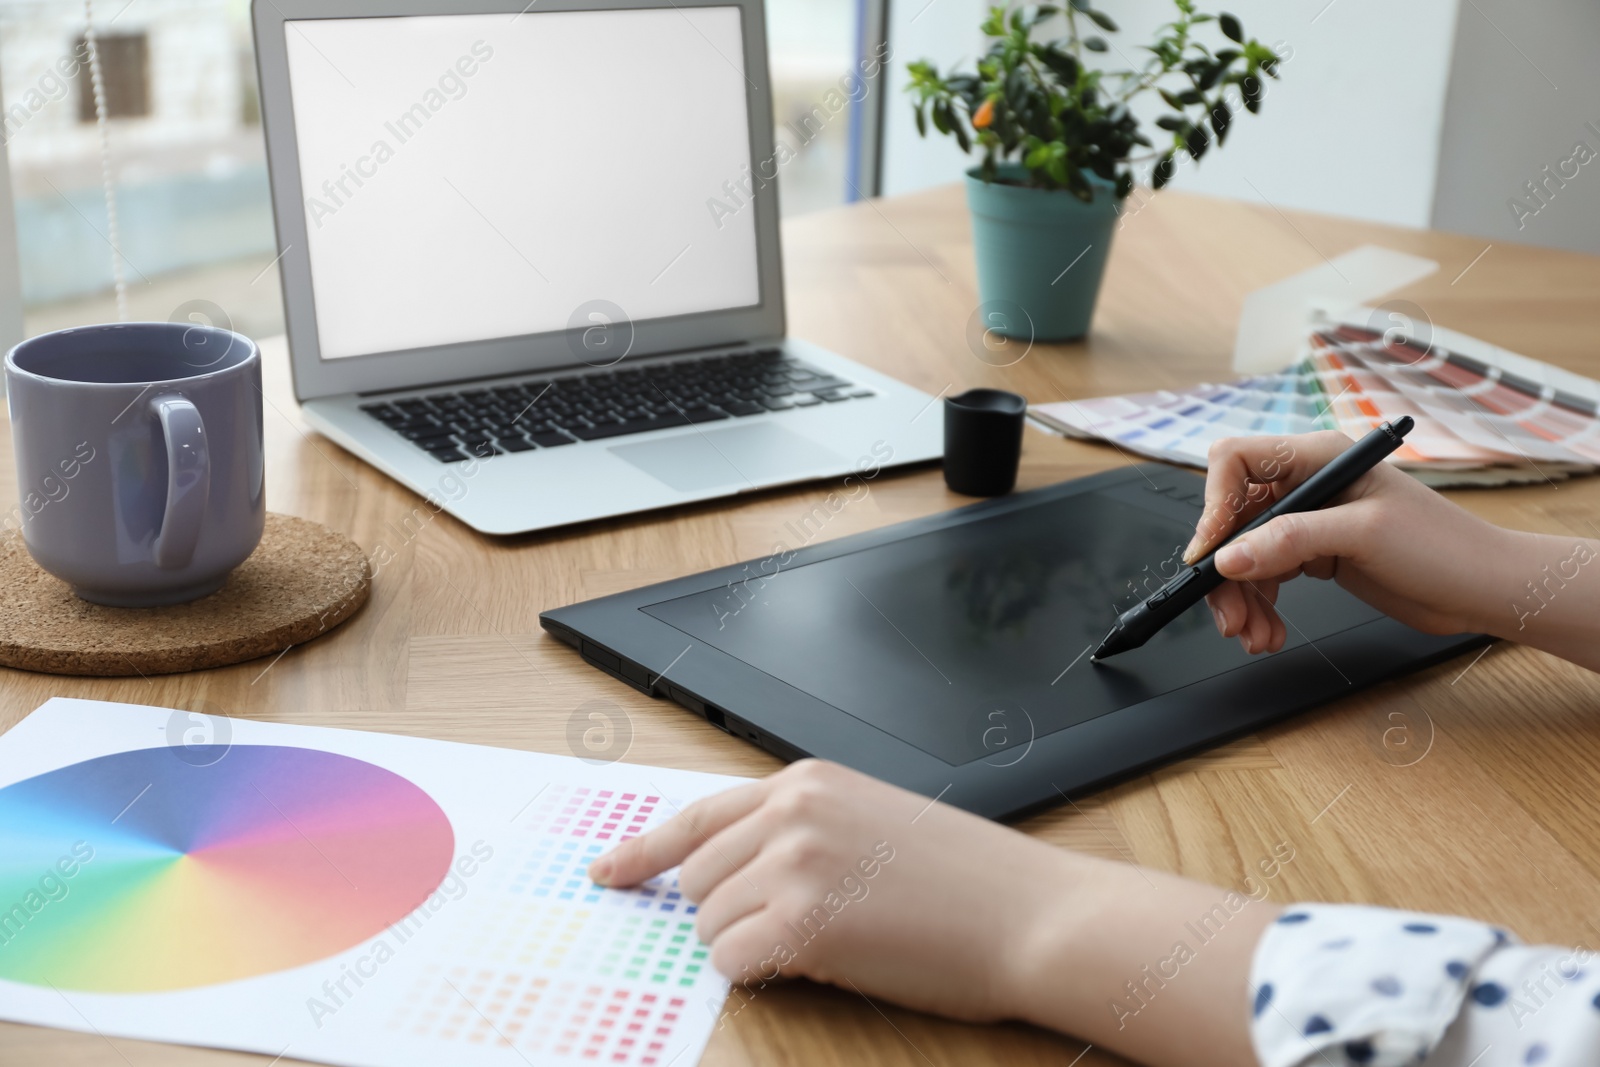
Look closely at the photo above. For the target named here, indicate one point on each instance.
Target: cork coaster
(302, 581)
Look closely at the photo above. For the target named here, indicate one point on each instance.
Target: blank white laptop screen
(468, 177)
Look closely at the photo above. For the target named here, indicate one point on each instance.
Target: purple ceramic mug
(139, 458)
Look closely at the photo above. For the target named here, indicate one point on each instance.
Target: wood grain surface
(1468, 788)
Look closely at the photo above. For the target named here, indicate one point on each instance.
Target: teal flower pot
(1041, 255)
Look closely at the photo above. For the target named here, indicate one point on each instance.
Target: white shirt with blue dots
(1345, 985)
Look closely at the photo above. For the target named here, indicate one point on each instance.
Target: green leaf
(1124, 184)
(1080, 5)
(1190, 97)
(959, 129)
(1196, 141)
(941, 116)
(1096, 44)
(1103, 20)
(922, 121)
(1164, 169)
(1063, 65)
(1171, 122)
(1040, 14)
(1252, 91)
(1231, 28)
(1171, 99)
(1221, 117)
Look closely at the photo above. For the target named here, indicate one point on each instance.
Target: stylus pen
(1142, 621)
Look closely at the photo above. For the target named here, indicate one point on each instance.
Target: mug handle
(188, 480)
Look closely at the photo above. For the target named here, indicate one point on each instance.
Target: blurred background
(1431, 113)
(194, 216)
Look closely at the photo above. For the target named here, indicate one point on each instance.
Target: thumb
(1288, 542)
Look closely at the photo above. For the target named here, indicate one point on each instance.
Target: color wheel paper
(338, 896)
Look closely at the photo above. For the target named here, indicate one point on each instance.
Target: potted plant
(1060, 143)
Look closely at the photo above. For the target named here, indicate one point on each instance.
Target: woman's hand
(825, 873)
(1390, 540)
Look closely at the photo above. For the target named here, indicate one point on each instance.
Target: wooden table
(1467, 788)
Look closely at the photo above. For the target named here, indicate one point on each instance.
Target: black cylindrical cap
(983, 441)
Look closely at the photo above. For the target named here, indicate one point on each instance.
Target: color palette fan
(1484, 416)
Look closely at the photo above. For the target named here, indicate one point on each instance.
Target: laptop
(531, 263)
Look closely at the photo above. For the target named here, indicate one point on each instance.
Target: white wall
(1424, 113)
(1351, 127)
(1524, 89)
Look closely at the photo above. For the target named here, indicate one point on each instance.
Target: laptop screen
(471, 177)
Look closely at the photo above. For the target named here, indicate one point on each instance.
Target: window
(813, 44)
(188, 162)
(124, 72)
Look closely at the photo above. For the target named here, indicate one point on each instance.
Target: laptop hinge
(570, 370)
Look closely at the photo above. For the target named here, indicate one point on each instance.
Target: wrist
(1507, 603)
(1147, 964)
(1051, 976)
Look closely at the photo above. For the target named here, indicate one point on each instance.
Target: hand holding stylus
(1391, 541)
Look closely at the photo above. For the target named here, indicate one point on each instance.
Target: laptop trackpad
(752, 455)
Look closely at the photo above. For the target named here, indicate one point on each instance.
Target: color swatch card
(339, 896)
(1484, 416)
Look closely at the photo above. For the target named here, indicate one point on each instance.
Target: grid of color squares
(546, 1018)
(600, 814)
(558, 968)
(575, 824)
(587, 941)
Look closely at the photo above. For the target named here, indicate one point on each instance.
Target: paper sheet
(339, 896)
(1272, 321)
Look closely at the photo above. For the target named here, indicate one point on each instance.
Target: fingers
(1248, 610)
(671, 843)
(1264, 632)
(1229, 608)
(1246, 474)
(729, 902)
(725, 854)
(745, 949)
(1289, 542)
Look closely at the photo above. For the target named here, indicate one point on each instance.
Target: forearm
(1548, 590)
(1147, 964)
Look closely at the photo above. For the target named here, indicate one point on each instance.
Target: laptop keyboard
(522, 417)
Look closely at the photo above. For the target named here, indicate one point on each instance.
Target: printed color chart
(340, 896)
(563, 967)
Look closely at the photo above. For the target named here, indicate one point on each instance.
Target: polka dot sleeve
(1342, 985)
